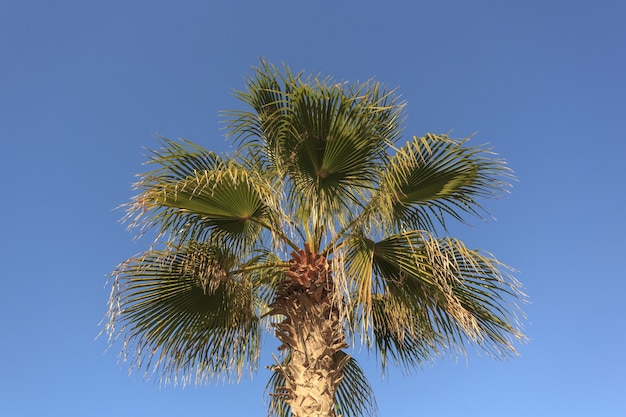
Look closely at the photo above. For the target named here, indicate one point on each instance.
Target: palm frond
(183, 314)
(425, 295)
(329, 139)
(399, 330)
(433, 177)
(402, 334)
(196, 195)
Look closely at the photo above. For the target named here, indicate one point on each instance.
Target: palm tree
(321, 228)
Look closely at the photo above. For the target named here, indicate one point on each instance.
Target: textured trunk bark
(312, 334)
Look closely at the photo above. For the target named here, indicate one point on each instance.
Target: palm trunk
(312, 334)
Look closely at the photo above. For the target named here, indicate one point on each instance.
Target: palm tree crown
(321, 227)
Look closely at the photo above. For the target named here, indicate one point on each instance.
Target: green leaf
(327, 139)
(195, 195)
(188, 315)
(423, 296)
(434, 176)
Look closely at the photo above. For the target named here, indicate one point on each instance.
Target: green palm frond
(354, 396)
(184, 314)
(423, 295)
(402, 334)
(432, 177)
(329, 139)
(178, 160)
(196, 195)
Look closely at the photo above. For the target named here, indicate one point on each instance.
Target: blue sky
(86, 85)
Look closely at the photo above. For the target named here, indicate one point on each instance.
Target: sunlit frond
(328, 138)
(434, 177)
(196, 195)
(183, 315)
(402, 334)
(425, 295)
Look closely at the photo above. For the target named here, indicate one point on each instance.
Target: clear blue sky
(84, 85)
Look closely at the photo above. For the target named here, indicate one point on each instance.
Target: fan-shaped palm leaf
(186, 314)
(329, 140)
(432, 177)
(421, 295)
(196, 195)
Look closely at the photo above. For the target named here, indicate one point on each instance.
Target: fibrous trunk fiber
(312, 334)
